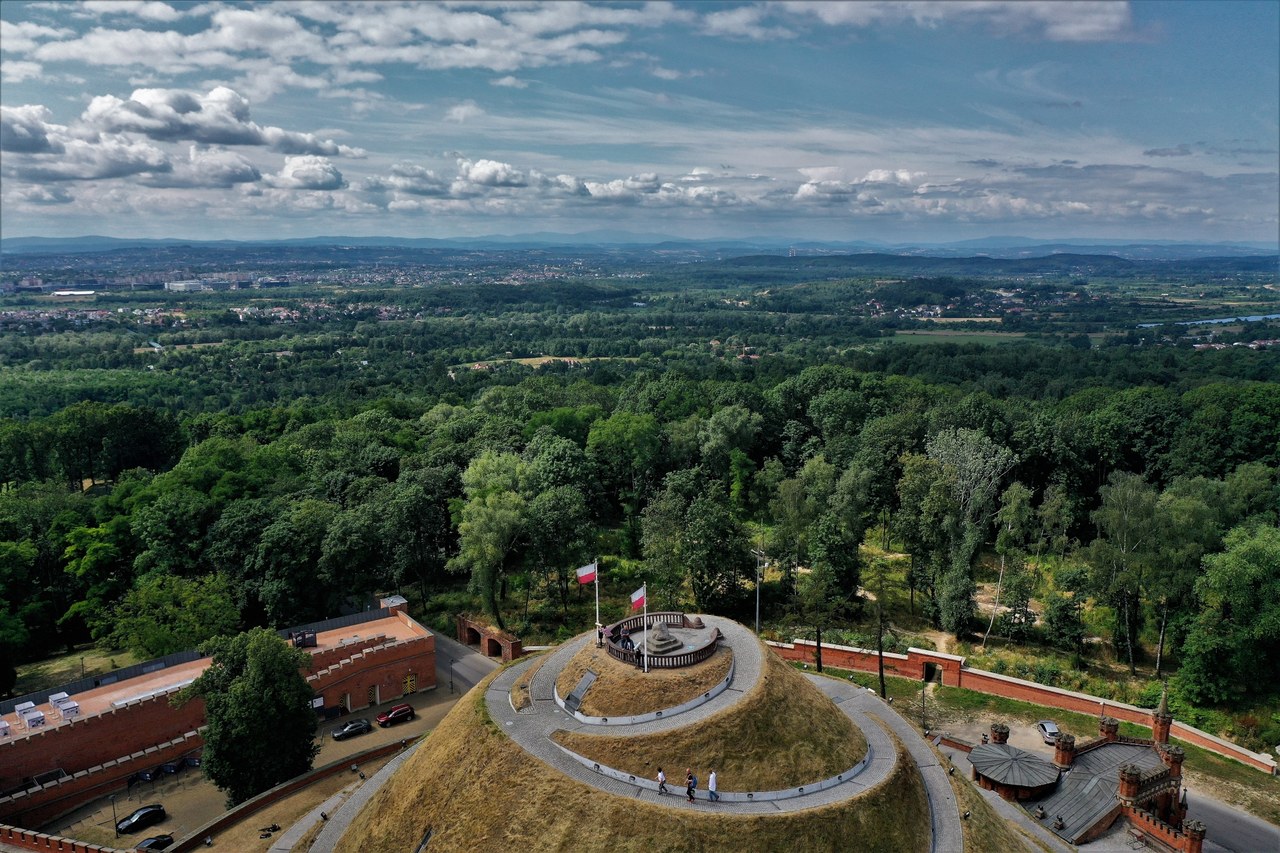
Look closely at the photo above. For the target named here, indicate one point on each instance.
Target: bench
(1137, 838)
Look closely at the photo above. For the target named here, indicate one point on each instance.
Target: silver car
(1048, 730)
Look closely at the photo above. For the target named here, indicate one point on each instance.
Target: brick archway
(491, 641)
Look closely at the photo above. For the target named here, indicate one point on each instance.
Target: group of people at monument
(690, 785)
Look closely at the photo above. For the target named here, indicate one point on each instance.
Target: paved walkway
(531, 728)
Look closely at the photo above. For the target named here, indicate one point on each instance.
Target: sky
(880, 121)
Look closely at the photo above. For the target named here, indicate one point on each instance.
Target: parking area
(192, 801)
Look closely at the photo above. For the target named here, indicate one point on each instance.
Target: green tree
(261, 727)
(1014, 526)
(1063, 627)
(1129, 526)
(1236, 636)
(165, 613)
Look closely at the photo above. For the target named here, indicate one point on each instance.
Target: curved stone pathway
(531, 729)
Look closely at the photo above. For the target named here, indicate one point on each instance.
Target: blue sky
(886, 121)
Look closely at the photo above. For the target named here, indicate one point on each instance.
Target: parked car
(169, 768)
(142, 818)
(351, 728)
(397, 714)
(1048, 730)
(148, 775)
(192, 760)
(155, 842)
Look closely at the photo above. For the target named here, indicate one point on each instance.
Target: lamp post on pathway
(760, 559)
(115, 822)
(450, 675)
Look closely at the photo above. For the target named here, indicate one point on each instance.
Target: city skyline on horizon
(881, 122)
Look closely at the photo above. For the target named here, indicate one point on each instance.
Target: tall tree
(1129, 526)
(261, 727)
(1013, 527)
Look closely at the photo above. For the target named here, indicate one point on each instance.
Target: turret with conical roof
(1161, 720)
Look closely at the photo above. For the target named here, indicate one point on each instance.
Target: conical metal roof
(1009, 765)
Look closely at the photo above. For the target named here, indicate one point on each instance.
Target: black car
(142, 818)
(191, 761)
(351, 728)
(169, 768)
(155, 842)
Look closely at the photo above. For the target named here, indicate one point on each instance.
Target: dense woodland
(1122, 491)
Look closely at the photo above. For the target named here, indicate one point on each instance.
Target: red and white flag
(587, 573)
(637, 598)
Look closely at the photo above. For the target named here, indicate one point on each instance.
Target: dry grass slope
(480, 792)
(618, 692)
(784, 733)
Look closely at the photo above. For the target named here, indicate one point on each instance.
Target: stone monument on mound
(659, 641)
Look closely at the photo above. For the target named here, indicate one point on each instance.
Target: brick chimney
(1064, 751)
(999, 733)
(1161, 719)
(1130, 779)
(1109, 728)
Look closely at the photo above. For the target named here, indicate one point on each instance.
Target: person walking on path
(662, 782)
(711, 788)
(690, 783)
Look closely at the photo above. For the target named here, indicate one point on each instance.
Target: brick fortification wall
(96, 739)
(101, 751)
(955, 674)
(25, 839)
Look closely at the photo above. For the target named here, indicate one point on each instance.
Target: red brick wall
(25, 839)
(509, 647)
(94, 739)
(911, 665)
(384, 667)
(33, 808)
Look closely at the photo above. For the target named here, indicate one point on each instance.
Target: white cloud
(743, 22)
(26, 130)
(463, 112)
(510, 82)
(1084, 20)
(207, 167)
(16, 71)
(307, 172)
(25, 36)
(491, 173)
(150, 10)
(220, 117)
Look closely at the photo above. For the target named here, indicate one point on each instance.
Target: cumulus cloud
(150, 10)
(220, 117)
(88, 160)
(409, 178)
(26, 129)
(307, 172)
(205, 167)
(510, 82)
(491, 173)
(1183, 150)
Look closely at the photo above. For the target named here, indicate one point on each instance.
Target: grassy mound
(620, 692)
(479, 791)
(784, 732)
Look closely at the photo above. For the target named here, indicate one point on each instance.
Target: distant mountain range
(992, 247)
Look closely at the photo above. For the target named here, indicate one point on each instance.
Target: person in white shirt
(711, 788)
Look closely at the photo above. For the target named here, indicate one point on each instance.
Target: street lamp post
(115, 821)
(759, 561)
(451, 675)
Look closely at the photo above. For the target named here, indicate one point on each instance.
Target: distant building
(186, 286)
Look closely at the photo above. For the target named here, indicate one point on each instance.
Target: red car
(397, 714)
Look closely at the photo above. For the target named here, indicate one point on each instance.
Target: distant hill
(1011, 248)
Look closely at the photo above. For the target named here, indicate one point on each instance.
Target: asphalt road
(468, 669)
(1231, 829)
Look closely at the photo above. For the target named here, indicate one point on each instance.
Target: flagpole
(597, 564)
(646, 627)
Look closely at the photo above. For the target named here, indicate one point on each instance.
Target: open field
(86, 660)
(953, 336)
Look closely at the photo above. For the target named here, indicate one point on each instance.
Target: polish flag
(637, 598)
(587, 573)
